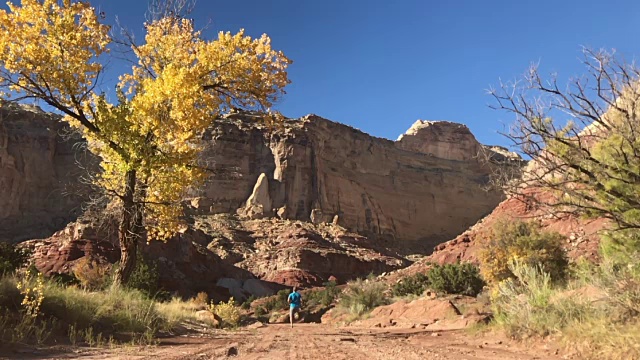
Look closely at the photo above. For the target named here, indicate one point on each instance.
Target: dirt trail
(316, 341)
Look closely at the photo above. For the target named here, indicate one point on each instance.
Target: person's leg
(291, 312)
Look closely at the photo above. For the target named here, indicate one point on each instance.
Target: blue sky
(380, 65)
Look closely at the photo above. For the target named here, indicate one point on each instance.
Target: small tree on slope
(584, 139)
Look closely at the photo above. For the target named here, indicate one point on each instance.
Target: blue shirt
(294, 300)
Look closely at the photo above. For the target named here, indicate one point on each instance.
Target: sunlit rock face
(426, 187)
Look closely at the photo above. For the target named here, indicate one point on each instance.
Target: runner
(294, 300)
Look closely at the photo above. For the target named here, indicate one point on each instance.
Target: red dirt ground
(316, 341)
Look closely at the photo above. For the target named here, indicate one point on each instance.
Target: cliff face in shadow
(39, 188)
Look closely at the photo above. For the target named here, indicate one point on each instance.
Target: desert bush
(91, 274)
(622, 249)
(176, 311)
(229, 312)
(201, 299)
(247, 303)
(414, 284)
(462, 279)
(146, 278)
(12, 257)
(114, 310)
(525, 242)
(64, 279)
(602, 325)
(25, 322)
(277, 302)
(362, 296)
(456, 279)
(82, 314)
(525, 305)
(260, 312)
(324, 297)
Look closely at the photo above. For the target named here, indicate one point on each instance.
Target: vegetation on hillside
(362, 296)
(463, 279)
(591, 168)
(526, 242)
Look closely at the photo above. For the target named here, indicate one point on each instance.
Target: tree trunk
(128, 233)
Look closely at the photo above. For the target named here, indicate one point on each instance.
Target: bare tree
(159, 9)
(583, 137)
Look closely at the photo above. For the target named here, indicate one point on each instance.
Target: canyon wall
(425, 188)
(39, 187)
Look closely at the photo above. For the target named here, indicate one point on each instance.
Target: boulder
(229, 283)
(208, 318)
(258, 288)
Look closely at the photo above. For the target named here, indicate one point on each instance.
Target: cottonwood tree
(147, 136)
(583, 137)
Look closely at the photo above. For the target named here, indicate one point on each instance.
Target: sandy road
(316, 341)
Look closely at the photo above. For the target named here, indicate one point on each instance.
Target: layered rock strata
(425, 188)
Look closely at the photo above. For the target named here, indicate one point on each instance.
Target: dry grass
(362, 296)
(177, 311)
(595, 314)
(89, 317)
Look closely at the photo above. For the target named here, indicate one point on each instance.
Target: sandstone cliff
(38, 174)
(316, 199)
(423, 189)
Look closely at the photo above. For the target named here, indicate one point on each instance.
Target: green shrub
(456, 279)
(361, 297)
(324, 297)
(64, 279)
(260, 312)
(12, 257)
(462, 279)
(247, 303)
(277, 302)
(145, 277)
(595, 314)
(525, 242)
(622, 248)
(525, 305)
(414, 284)
(116, 310)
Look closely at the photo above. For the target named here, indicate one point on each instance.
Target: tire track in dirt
(318, 341)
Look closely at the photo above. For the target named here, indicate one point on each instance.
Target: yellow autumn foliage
(523, 242)
(228, 312)
(54, 51)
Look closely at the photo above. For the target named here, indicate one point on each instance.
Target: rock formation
(259, 203)
(582, 236)
(225, 255)
(425, 188)
(39, 191)
(315, 199)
